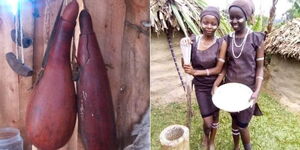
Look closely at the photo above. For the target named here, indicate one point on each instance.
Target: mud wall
(285, 80)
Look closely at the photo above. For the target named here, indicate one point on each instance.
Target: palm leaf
(201, 3)
(186, 14)
(179, 19)
(182, 15)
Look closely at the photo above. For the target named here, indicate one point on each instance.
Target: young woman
(207, 59)
(244, 64)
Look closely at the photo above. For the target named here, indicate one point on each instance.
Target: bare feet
(236, 148)
(212, 146)
(205, 142)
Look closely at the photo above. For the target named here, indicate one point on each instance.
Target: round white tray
(232, 97)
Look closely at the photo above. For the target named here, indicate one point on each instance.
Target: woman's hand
(253, 99)
(213, 90)
(189, 69)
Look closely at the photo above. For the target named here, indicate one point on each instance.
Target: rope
(21, 31)
(16, 35)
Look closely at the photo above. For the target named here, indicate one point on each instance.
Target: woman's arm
(211, 71)
(219, 80)
(259, 72)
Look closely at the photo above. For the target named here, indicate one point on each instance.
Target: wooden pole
(187, 87)
(134, 93)
(189, 100)
(272, 16)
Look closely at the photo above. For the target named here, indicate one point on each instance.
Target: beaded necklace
(242, 44)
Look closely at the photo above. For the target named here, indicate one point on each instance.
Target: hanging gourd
(51, 113)
(95, 106)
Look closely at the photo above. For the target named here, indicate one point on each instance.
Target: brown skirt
(244, 117)
(204, 99)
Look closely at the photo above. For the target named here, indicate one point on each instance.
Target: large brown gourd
(95, 107)
(51, 113)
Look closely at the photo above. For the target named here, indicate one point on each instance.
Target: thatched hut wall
(124, 42)
(283, 48)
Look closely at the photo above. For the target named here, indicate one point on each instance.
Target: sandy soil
(165, 86)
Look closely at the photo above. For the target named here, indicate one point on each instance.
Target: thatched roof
(285, 40)
(182, 15)
(179, 14)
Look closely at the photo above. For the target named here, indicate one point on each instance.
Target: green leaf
(179, 19)
(258, 26)
(187, 19)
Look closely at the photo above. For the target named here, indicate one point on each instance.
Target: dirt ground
(165, 85)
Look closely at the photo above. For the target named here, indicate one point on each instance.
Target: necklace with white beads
(242, 44)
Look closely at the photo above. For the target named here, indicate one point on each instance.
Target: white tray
(232, 97)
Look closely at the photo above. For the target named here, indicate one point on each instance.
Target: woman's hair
(247, 7)
(210, 10)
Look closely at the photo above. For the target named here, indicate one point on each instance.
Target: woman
(207, 58)
(245, 55)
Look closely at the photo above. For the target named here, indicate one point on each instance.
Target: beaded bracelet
(221, 60)
(260, 59)
(259, 77)
(207, 72)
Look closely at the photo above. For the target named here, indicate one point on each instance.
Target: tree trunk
(272, 16)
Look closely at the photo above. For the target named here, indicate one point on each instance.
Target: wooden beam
(133, 97)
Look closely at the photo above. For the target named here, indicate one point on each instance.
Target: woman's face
(209, 25)
(237, 18)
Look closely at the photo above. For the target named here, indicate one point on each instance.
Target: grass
(277, 129)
